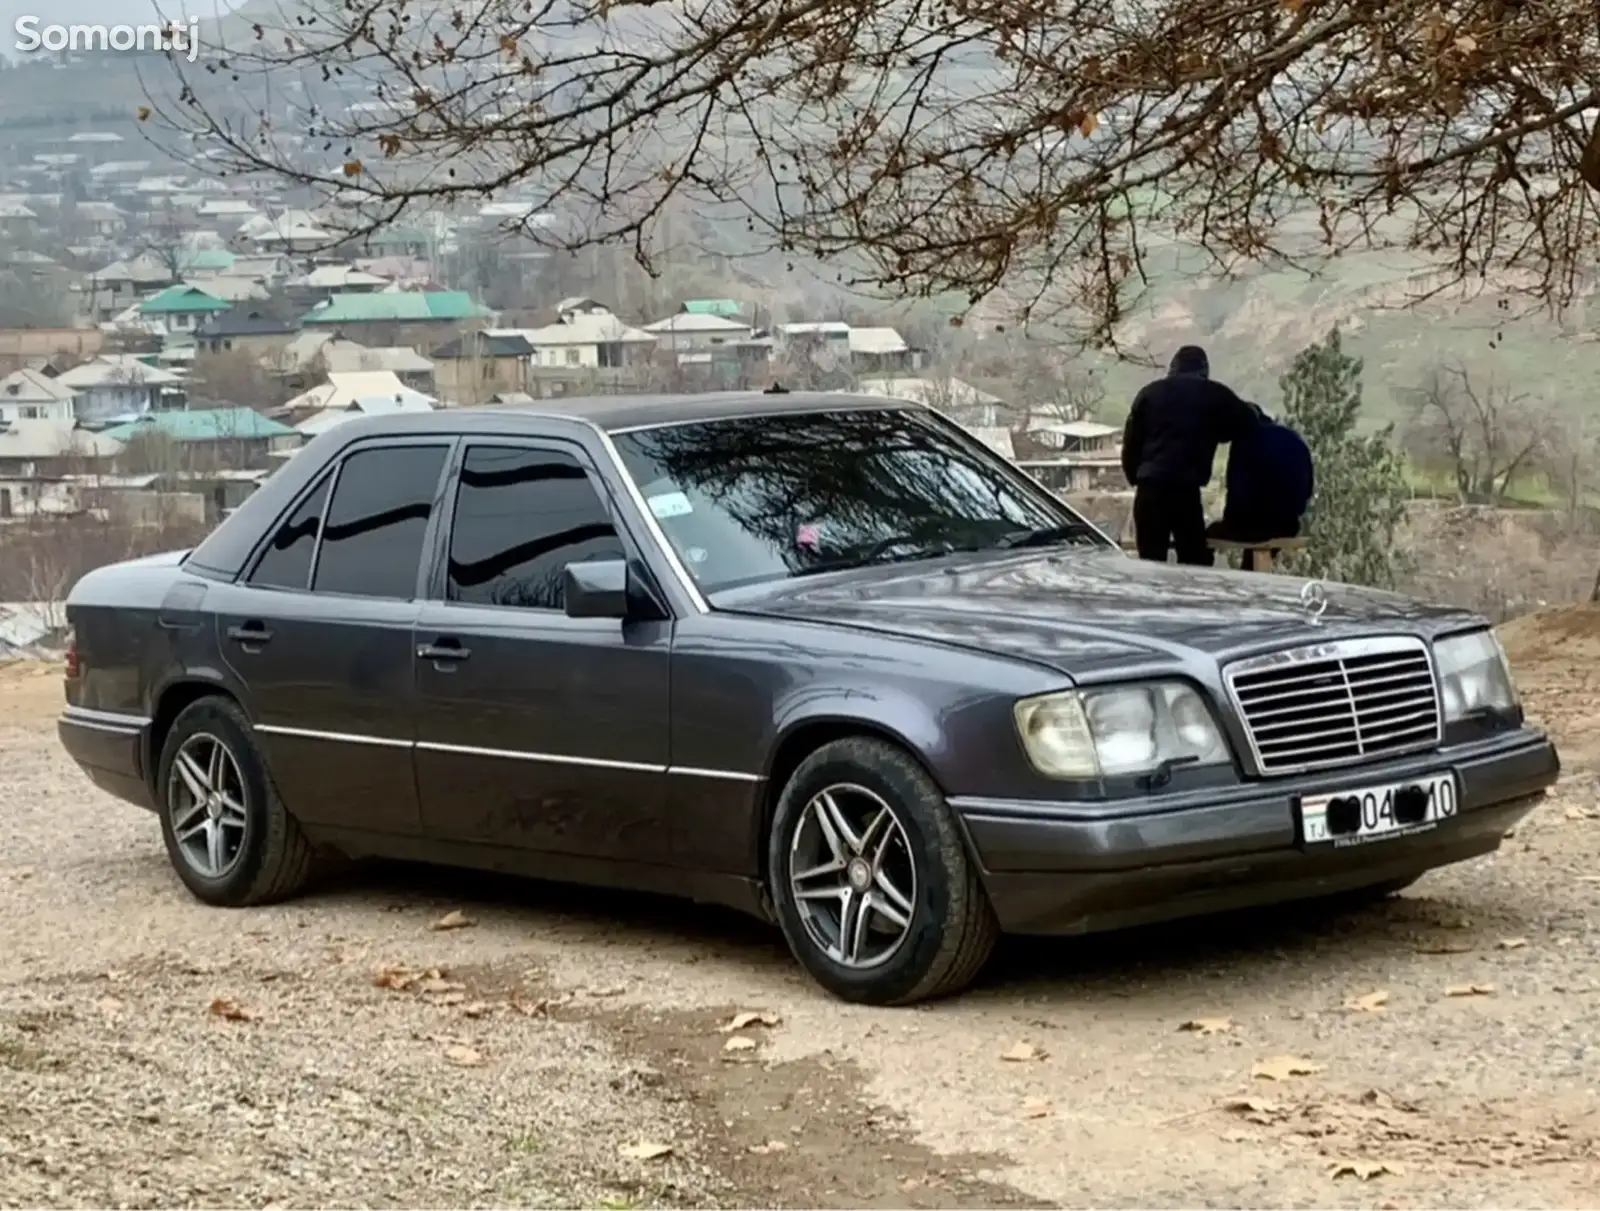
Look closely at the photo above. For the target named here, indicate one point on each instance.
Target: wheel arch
(170, 702)
(805, 735)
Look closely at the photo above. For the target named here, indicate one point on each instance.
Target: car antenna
(776, 389)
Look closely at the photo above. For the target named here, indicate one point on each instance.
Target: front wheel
(228, 835)
(871, 880)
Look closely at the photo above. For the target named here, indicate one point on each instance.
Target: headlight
(1473, 675)
(1131, 729)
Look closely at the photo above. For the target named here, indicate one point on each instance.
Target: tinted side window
(372, 543)
(521, 517)
(286, 563)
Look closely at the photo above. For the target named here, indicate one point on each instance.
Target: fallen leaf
(615, 990)
(1512, 943)
(1035, 1107)
(1020, 1053)
(1250, 1105)
(750, 1018)
(645, 1151)
(462, 1056)
(1469, 990)
(739, 1042)
(222, 1007)
(1207, 1025)
(434, 982)
(1282, 1067)
(395, 978)
(454, 919)
(1372, 1002)
(353, 168)
(450, 998)
(1364, 1170)
(769, 1146)
(477, 1009)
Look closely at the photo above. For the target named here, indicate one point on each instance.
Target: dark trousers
(1170, 517)
(1254, 530)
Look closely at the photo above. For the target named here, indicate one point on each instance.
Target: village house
(181, 309)
(346, 396)
(206, 439)
(38, 459)
(117, 385)
(249, 329)
(400, 317)
(409, 366)
(34, 347)
(121, 284)
(588, 338)
(472, 368)
(33, 395)
(881, 351)
(689, 330)
(327, 280)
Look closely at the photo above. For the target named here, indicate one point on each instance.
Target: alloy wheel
(852, 876)
(205, 804)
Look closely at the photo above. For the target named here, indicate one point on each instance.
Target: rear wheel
(228, 835)
(871, 880)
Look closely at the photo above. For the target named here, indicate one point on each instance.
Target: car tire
(261, 854)
(920, 863)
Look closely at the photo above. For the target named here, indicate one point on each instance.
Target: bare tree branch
(1041, 148)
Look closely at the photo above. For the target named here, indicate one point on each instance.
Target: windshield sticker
(670, 504)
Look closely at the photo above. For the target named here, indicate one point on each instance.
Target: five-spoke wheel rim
(205, 803)
(852, 876)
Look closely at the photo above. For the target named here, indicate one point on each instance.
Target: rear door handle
(250, 634)
(442, 651)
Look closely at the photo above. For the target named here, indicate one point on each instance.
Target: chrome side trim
(306, 733)
(726, 775)
(469, 750)
(651, 525)
(106, 721)
(506, 754)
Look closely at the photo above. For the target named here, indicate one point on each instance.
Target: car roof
(619, 413)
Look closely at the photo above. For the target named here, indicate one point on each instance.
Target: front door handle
(251, 634)
(442, 651)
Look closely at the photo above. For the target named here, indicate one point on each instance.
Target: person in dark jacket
(1168, 446)
(1270, 481)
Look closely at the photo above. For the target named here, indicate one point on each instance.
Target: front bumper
(1069, 868)
(111, 749)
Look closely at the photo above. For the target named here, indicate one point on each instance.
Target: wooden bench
(1266, 550)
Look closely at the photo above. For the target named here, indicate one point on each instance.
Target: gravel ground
(564, 1047)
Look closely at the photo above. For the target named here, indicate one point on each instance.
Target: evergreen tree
(1361, 490)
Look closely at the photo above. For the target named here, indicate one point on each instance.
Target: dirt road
(1443, 1048)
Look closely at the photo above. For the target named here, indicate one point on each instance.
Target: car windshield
(766, 498)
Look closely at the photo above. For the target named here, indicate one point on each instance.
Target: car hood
(1079, 611)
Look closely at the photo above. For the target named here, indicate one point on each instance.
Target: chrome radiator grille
(1336, 703)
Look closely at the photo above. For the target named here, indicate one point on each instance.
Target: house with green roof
(181, 308)
(205, 260)
(726, 309)
(202, 439)
(417, 318)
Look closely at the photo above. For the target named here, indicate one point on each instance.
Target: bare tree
(236, 377)
(1042, 145)
(1478, 431)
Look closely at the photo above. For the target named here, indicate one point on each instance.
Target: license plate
(1378, 813)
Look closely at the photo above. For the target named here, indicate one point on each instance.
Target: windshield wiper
(882, 551)
(1045, 536)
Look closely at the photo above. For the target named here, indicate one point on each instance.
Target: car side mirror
(598, 589)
